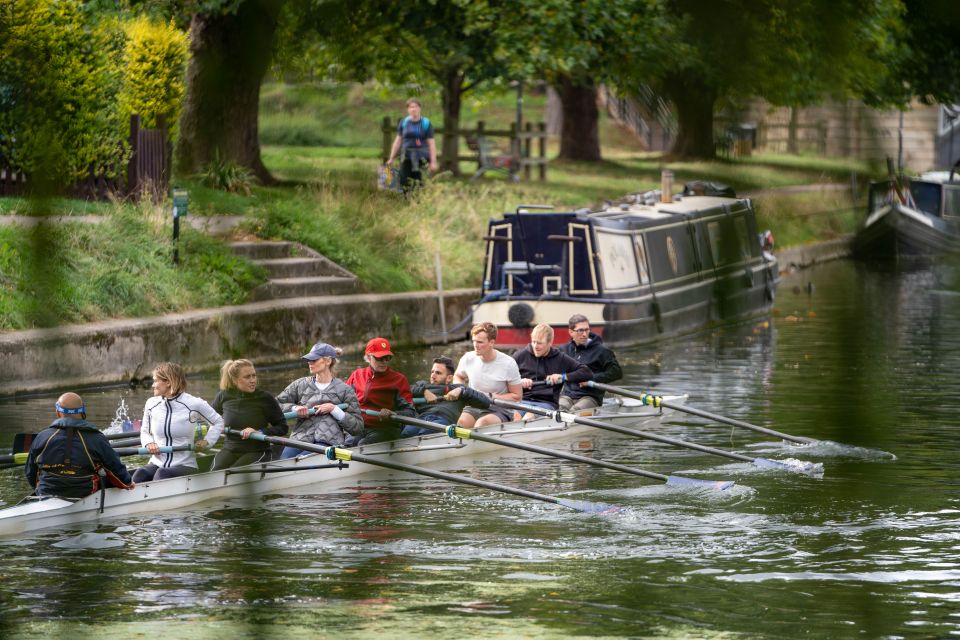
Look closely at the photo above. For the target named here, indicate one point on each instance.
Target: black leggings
(227, 458)
(149, 472)
(410, 174)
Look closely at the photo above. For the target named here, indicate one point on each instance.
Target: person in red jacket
(380, 388)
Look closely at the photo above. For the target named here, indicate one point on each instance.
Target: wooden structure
(148, 171)
(528, 147)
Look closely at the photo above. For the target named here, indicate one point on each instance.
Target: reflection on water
(866, 359)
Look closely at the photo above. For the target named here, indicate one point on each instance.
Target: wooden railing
(529, 145)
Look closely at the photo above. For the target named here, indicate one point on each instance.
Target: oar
(456, 432)
(22, 441)
(21, 458)
(658, 401)
(336, 453)
(567, 417)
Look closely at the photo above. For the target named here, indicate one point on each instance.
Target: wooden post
(528, 128)
(481, 127)
(542, 128)
(133, 175)
(514, 142)
(388, 136)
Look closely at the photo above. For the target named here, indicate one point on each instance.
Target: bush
(60, 79)
(228, 176)
(155, 60)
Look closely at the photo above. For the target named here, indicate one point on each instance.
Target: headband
(71, 412)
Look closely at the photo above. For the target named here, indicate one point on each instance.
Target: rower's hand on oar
(153, 448)
(554, 378)
(302, 412)
(200, 444)
(385, 414)
(245, 434)
(323, 409)
(454, 394)
(526, 383)
(429, 396)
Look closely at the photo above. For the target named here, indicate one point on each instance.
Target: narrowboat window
(742, 236)
(641, 259)
(618, 261)
(951, 201)
(926, 196)
(713, 231)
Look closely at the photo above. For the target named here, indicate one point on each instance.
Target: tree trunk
(452, 83)
(580, 133)
(229, 57)
(694, 100)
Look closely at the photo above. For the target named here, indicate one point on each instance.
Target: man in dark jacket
(443, 401)
(543, 369)
(71, 458)
(588, 348)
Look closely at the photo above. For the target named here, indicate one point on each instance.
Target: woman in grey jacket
(316, 397)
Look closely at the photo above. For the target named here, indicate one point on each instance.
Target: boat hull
(178, 493)
(896, 231)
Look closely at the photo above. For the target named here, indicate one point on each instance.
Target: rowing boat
(279, 475)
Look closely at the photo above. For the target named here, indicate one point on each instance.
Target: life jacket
(73, 471)
(418, 152)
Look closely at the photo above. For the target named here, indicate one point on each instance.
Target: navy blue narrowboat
(640, 269)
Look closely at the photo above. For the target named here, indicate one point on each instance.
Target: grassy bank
(323, 143)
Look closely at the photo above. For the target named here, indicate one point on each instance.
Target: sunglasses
(382, 358)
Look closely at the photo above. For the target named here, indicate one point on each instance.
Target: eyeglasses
(580, 330)
(382, 358)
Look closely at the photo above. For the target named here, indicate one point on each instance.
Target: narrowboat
(640, 269)
(911, 218)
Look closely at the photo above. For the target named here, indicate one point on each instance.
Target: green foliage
(61, 273)
(155, 57)
(58, 81)
(227, 176)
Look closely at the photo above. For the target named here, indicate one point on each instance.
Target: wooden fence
(529, 145)
(148, 171)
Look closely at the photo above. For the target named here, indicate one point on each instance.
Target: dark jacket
(240, 410)
(601, 361)
(65, 457)
(449, 410)
(539, 368)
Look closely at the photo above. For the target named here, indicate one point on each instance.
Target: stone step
(305, 287)
(266, 250)
(299, 267)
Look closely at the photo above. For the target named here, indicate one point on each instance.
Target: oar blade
(680, 481)
(790, 464)
(589, 507)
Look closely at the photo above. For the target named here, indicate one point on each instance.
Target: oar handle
(290, 415)
(143, 451)
(658, 401)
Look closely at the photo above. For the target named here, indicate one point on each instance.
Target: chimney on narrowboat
(666, 186)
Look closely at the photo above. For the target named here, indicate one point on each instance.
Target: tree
(231, 44)
(426, 40)
(789, 53)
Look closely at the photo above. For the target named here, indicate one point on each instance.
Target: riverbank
(268, 332)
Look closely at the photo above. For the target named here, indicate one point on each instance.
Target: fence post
(514, 142)
(542, 128)
(481, 127)
(133, 173)
(387, 130)
(528, 128)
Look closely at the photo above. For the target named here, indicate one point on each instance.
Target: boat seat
(521, 272)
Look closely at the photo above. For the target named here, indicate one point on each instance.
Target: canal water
(856, 355)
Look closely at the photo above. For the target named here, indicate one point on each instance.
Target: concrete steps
(295, 271)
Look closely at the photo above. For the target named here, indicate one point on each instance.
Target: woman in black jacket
(246, 409)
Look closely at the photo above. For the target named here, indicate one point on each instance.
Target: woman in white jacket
(170, 419)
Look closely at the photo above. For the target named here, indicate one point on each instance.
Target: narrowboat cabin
(639, 269)
(911, 218)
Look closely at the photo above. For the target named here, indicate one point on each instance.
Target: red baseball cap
(378, 347)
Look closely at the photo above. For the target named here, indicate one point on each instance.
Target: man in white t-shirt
(491, 372)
